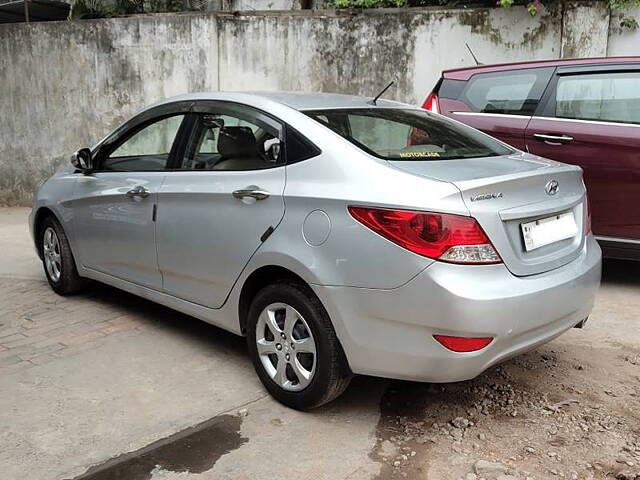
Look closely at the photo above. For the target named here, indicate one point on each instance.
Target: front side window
(146, 150)
(612, 97)
(229, 142)
(397, 134)
(513, 93)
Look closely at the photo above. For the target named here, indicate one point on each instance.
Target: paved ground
(110, 386)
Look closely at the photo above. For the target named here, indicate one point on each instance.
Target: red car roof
(466, 72)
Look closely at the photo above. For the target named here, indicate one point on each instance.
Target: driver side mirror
(82, 160)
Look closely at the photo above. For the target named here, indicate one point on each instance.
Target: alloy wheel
(286, 347)
(51, 254)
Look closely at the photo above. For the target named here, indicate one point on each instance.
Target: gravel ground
(569, 409)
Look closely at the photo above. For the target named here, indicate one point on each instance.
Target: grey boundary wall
(65, 85)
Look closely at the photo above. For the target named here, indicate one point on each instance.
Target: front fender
(54, 197)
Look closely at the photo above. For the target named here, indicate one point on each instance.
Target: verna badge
(486, 196)
(552, 187)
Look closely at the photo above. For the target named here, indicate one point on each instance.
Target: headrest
(237, 142)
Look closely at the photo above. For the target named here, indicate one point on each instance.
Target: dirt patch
(570, 409)
(542, 415)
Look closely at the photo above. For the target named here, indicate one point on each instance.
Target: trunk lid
(502, 193)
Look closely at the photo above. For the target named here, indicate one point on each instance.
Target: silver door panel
(117, 232)
(206, 234)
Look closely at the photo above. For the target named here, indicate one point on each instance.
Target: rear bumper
(389, 333)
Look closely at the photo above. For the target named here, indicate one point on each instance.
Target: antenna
(373, 102)
(474, 57)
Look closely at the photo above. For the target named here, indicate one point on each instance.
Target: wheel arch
(258, 279)
(41, 214)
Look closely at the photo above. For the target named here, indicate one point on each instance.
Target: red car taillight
(446, 237)
(587, 220)
(463, 344)
(431, 103)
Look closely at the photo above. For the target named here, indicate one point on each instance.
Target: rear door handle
(138, 191)
(553, 139)
(251, 191)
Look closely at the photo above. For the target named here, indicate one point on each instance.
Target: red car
(582, 111)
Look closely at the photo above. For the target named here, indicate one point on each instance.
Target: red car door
(591, 117)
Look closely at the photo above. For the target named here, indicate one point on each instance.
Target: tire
(57, 259)
(329, 372)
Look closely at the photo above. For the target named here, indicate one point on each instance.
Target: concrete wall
(67, 84)
(623, 41)
(340, 52)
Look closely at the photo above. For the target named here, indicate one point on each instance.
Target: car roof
(295, 100)
(466, 72)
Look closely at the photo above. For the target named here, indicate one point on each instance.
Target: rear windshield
(398, 134)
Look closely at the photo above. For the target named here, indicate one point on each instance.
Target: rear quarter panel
(343, 175)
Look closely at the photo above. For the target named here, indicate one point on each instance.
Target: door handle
(138, 191)
(252, 192)
(553, 139)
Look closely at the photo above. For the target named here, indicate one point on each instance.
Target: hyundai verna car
(580, 111)
(340, 235)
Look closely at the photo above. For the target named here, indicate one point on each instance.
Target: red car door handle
(553, 139)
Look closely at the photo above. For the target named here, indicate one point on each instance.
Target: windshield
(395, 134)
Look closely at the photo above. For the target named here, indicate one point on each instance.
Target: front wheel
(59, 266)
(294, 348)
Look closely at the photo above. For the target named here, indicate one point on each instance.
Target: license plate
(548, 230)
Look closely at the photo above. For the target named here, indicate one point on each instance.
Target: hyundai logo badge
(552, 187)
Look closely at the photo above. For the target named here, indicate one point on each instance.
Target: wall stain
(193, 450)
(481, 23)
(351, 61)
(585, 31)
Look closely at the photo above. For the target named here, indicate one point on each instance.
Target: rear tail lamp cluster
(445, 237)
(431, 103)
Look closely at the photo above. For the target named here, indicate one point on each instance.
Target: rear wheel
(59, 266)
(294, 347)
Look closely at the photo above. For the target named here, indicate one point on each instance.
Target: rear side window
(398, 134)
(230, 142)
(512, 92)
(612, 97)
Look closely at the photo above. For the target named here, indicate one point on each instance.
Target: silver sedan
(340, 235)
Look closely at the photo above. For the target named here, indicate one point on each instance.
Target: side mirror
(82, 160)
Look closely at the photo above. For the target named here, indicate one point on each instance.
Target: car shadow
(149, 314)
(620, 272)
(364, 392)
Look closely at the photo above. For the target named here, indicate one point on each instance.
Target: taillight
(431, 103)
(587, 219)
(446, 237)
(463, 344)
